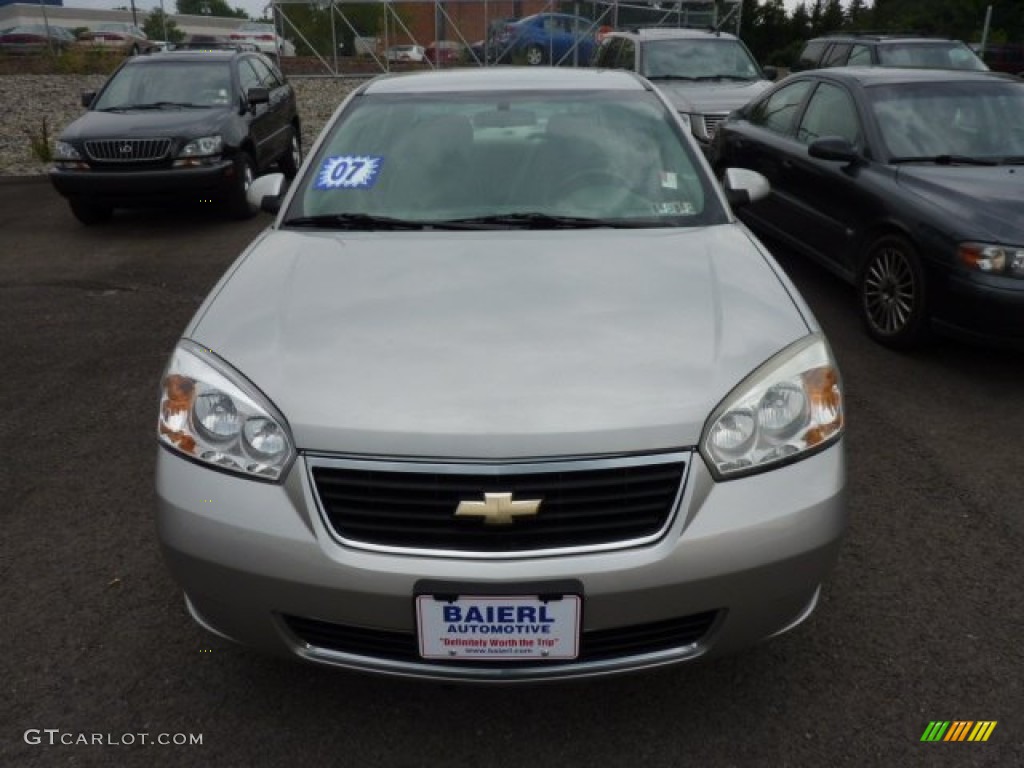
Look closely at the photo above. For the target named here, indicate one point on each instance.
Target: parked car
(117, 36)
(887, 51)
(183, 125)
(265, 37)
(406, 53)
(906, 183)
(570, 424)
(706, 75)
(35, 38)
(445, 52)
(549, 38)
(1005, 57)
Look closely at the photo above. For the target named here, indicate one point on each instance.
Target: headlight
(993, 259)
(210, 413)
(204, 147)
(787, 409)
(64, 151)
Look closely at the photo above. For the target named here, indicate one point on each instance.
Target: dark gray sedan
(907, 183)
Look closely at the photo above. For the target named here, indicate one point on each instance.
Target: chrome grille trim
(491, 470)
(127, 150)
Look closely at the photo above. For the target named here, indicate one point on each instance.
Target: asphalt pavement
(923, 619)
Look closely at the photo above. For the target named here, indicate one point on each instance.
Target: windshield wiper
(152, 105)
(945, 160)
(356, 221)
(671, 77)
(529, 221)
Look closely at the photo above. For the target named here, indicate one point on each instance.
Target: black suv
(181, 125)
(887, 51)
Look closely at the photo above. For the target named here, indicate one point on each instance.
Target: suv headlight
(204, 147)
(62, 151)
(993, 259)
(210, 413)
(788, 408)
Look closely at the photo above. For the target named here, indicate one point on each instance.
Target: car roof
(507, 79)
(668, 33)
(206, 54)
(869, 76)
(885, 38)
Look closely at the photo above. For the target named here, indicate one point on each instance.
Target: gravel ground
(29, 100)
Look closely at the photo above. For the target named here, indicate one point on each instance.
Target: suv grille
(595, 645)
(711, 123)
(128, 150)
(582, 504)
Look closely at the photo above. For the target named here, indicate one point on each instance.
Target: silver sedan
(505, 393)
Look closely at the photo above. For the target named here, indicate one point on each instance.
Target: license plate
(498, 628)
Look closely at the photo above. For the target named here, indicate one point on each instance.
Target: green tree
(160, 26)
(210, 8)
(832, 17)
(858, 15)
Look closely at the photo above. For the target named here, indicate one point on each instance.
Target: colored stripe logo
(958, 730)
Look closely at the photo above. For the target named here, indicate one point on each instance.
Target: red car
(443, 52)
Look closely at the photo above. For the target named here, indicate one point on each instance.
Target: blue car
(549, 38)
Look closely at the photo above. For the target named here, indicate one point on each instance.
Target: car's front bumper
(986, 308)
(257, 564)
(131, 188)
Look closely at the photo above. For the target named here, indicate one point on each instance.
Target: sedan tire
(894, 293)
(534, 55)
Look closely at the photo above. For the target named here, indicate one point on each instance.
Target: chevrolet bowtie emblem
(498, 508)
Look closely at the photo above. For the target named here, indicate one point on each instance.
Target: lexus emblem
(498, 508)
(125, 149)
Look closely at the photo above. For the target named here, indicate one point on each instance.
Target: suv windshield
(186, 83)
(530, 160)
(698, 60)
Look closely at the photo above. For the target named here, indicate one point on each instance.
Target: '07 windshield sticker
(348, 172)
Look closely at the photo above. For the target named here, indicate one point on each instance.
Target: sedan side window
(248, 76)
(778, 111)
(830, 112)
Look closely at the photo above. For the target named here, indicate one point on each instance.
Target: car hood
(186, 123)
(710, 96)
(499, 345)
(980, 203)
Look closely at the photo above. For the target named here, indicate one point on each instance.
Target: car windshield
(711, 59)
(980, 120)
(530, 160)
(185, 83)
(937, 55)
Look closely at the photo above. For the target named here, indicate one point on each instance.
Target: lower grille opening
(595, 645)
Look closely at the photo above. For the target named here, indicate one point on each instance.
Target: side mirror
(87, 97)
(256, 96)
(267, 192)
(834, 148)
(743, 186)
(770, 73)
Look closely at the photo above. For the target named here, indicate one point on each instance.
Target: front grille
(595, 645)
(711, 123)
(128, 150)
(582, 504)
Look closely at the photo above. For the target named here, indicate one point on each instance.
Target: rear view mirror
(257, 96)
(87, 97)
(743, 186)
(267, 192)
